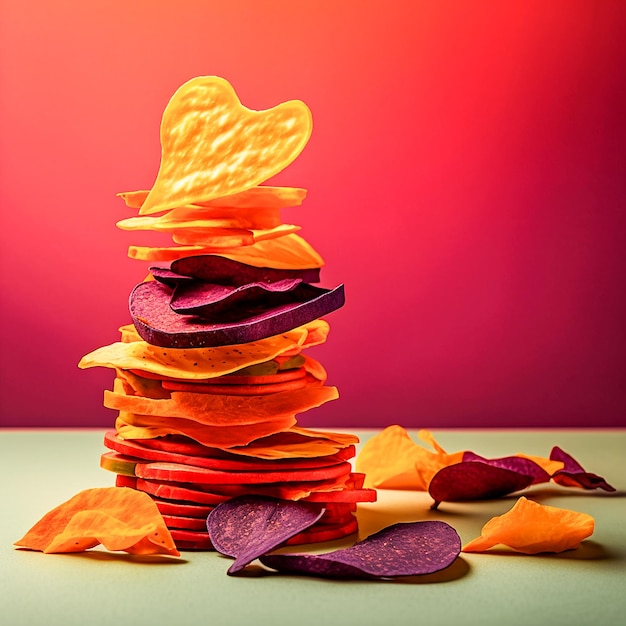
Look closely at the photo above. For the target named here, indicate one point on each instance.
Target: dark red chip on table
(177, 472)
(167, 453)
(249, 526)
(475, 480)
(213, 268)
(405, 549)
(159, 325)
(573, 473)
(519, 464)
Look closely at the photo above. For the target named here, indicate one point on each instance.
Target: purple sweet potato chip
(247, 527)
(157, 324)
(167, 277)
(220, 270)
(475, 480)
(574, 475)
(404, 549)
(209, 300)
(519, 464)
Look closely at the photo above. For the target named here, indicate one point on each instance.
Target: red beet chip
(247, 527)
(574, 475)
(213, 268)
(405, 549)
(518, 464)
(159, 325)
(475, 480)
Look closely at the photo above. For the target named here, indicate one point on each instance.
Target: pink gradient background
(466, 182)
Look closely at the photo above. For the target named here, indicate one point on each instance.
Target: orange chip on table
(118, 518)
(532, 528)
(391, 460)
(196, 167)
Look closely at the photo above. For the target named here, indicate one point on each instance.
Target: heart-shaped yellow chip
(213, 146)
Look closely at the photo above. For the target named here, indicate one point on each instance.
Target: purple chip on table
(404, 549)
(247, 527)
(574, 475)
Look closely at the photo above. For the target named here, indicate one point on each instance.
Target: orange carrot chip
(118, 518)
(532, 528)
(213, 146)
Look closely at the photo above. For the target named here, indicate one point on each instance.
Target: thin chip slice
(519, 464)
(391, 460)
(132, 426)
(213, 146)
(224, 410)
(221, 270)
(118, 518)
(168, 507)
(203, 363)
(405, 549)
(229, 238)
(159, 325)
(532, 528)
(261, 197)
(290, 252)
(178, 472)
(224, 461)
(574, 475)
(249, 526)
(474, 480)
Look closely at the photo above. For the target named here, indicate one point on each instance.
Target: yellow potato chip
(225, 238)
(213, 146)
(287, 252)
(200, 217)
(202, 363)
(261, 197)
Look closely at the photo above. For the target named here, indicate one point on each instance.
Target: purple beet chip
(404, 549)
(159, 325)
(518, 464)
(475, 480)
(247, 527)
(213, 268)
(573, 473)
(209, 300)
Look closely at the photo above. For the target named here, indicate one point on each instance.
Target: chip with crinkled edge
(532, 528)
(212, 145)
(260, 197)
(404, 549)
(116, 517)
(391, 460)
(573, 474)
(202, 363)
(290, 251)
(224, 410)
(131, 426)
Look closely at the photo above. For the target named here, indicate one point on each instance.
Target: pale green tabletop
(41, 469)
